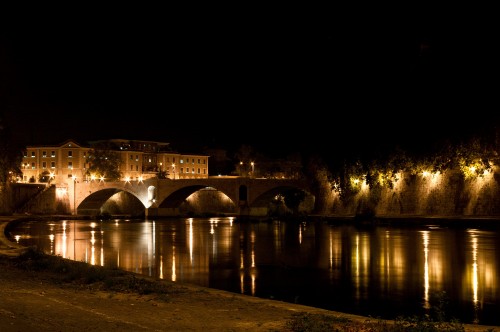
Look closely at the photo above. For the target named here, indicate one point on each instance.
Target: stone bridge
(163, 197)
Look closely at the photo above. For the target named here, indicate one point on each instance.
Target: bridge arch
(111, 201)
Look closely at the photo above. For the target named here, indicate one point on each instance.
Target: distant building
(60, 164)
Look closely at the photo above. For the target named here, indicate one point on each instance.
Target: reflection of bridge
(163, 197)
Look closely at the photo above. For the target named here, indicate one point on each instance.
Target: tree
(104, 163)
(293, 198)
(10, 155)
(44, 177)
(10, 161)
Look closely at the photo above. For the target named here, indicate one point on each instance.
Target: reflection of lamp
(74, 194)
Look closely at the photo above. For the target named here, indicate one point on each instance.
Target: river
(383, 271)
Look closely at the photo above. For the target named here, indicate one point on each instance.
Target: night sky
(281, 80)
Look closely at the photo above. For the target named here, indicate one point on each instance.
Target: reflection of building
(139, 160)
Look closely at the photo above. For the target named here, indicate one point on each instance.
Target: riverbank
(34, 297)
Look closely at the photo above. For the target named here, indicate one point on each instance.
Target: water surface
(378, 271)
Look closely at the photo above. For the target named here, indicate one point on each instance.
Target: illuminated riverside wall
(424, 194)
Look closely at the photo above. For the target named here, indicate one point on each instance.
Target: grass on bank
(92, 277)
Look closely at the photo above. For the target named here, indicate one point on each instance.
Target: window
(198, 161)
(44, 154)
(70, 164)
(33, 154)
(204, 171)
(137, 167)
(136, 157)
(44, 165)
(70, 154)
(33, 166)
(131, 167)
(131, 157)
(182, 170)
(199, 171)
(53, 154)
(52, 164)
(181, 161)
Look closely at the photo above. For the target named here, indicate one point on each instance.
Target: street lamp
(173, 169)
(252, 164)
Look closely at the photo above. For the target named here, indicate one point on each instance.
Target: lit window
(52, 164)
(70, 164)
(70, 154)
(44, 165)
(44, 154)
(32, 154)
(33, 166)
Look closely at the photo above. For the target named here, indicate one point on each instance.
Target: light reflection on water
(383, 271)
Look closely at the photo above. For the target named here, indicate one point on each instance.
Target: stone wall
(447, 194)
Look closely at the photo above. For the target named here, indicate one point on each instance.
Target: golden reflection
(277, 236)
(51, 238)
(330, 251)
(242, 281)
(161, 266)
(64, 239)
(253, 282)
(191, 241)
(425, 238)
(92, 250)
(102, 248)
(300, 233)
(356, 266)
(174, 276)
(474, 269)
(252, 242)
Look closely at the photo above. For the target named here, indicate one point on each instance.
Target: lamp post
(173, 169)
(253, 168)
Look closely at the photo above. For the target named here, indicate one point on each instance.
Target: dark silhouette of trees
(104, 163)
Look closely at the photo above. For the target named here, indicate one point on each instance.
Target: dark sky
(279, 79)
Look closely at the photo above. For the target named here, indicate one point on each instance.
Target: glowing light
(191, 244)
(425, 238)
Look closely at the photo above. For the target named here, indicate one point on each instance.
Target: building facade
(69, 161)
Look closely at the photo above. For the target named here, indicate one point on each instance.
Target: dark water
(383, 271)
